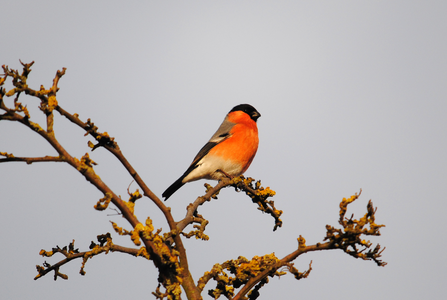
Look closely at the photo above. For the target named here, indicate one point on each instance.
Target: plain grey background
(352, 95)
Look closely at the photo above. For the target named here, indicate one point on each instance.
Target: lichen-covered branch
(105, 245)
(257, 193)
(170, 277)
(260, 196)
(251, 275)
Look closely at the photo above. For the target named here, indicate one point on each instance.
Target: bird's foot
(225, 173)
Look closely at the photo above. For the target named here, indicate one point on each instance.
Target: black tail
(173, 188)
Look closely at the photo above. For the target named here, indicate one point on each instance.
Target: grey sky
(352, 95)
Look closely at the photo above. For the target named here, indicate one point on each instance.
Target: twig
(30, 160)
(72, 254)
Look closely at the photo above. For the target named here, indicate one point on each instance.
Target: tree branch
(71, 253)
(258, 194)
(192, 207)
(252, 275)
(104, 140)
(29, 160)
(168, 272)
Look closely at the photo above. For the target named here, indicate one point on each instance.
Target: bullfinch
(229, 152)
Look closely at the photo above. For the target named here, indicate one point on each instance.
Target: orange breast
(241, 147)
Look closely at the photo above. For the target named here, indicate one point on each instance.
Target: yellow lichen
(301, 243)
(149, 225)
(46, 253)
(143, 252)
(52, 103)
(11, 92)
(35, 126)
(120, 230)
(265, 193)
(135, 196)
(103, 203)
(131, 206)
(7, 155)
(135, 236)
(42, 91)
(86, 164)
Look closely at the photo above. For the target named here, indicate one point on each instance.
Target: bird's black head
(248, 109)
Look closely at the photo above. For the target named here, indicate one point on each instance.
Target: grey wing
(222, 133)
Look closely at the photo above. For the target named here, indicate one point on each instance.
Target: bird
(228, 153)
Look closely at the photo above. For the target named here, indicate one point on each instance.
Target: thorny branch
(166, 250)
